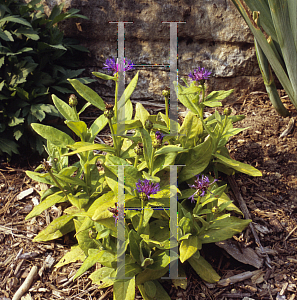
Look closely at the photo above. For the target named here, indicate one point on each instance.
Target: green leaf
(161, 294)
(79, 128)
(104, 76)
(132, 175)
(147, 146)
(188, 247)
(168, 149)
(37, 111)
(186, 100)
(104, 257)
(6, 36)
(191, 90)
(84, 147)
(134, 242)
(47, 203)
(161, 260)
(190, 131)
(15, 19)
(196, 160)
(223, 229)
(8, 146)
(55, 136)
(141, 113)
(40, 177)
(125, 113)
(181, 281)
(65, 110)
(103, 277)
(88, 94)
(82, 235)
(124, 289)
(203, 268)
(99, 209)
(14, 121)
(238, 166)
(128, 91)
(150, 288)
(97, 126)
(280, 20)
(150, 274)
(99, 203)
(218, 95)
(73, 255)
(56, 229)
(162, 161)
(29, 33)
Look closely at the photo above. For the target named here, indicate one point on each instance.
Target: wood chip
(284, 287)
(24, 194)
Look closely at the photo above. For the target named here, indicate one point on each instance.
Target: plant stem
(140, 229)
(57, 183)
(167, 110)
(152, 162)
(75, 111)
(136, 161)
(115, 143)
(203, 92)
(116, 99)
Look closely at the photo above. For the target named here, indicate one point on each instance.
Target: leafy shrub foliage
(126, 225)
(36, 60)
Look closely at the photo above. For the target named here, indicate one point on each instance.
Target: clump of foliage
(274, 26)
(124, 215)
(35, 61)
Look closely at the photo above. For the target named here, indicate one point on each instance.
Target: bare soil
(271, 201)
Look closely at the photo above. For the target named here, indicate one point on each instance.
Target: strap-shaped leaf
(267, 49)
(88, 94)
(65, 110)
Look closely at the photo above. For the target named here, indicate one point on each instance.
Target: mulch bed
(271, 201)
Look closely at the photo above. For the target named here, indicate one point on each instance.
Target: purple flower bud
(201, 186)
(159, 136)
(111, 65)
(147, 187)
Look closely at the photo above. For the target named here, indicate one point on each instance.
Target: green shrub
(35, 61)
(131, 217)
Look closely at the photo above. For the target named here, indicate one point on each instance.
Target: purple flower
(111, 65)
(200, 74)
(159, 136)
(147, 187)
(201, 186)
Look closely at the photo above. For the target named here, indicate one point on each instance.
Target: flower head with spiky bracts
(146, 188)
(200, 75)
(201, 185)
(124, 66)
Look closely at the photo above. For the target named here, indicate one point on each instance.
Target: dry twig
(26, 284)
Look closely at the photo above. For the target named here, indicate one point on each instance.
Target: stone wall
(214, 36)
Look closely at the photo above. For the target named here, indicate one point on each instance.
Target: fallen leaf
(245, 255)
